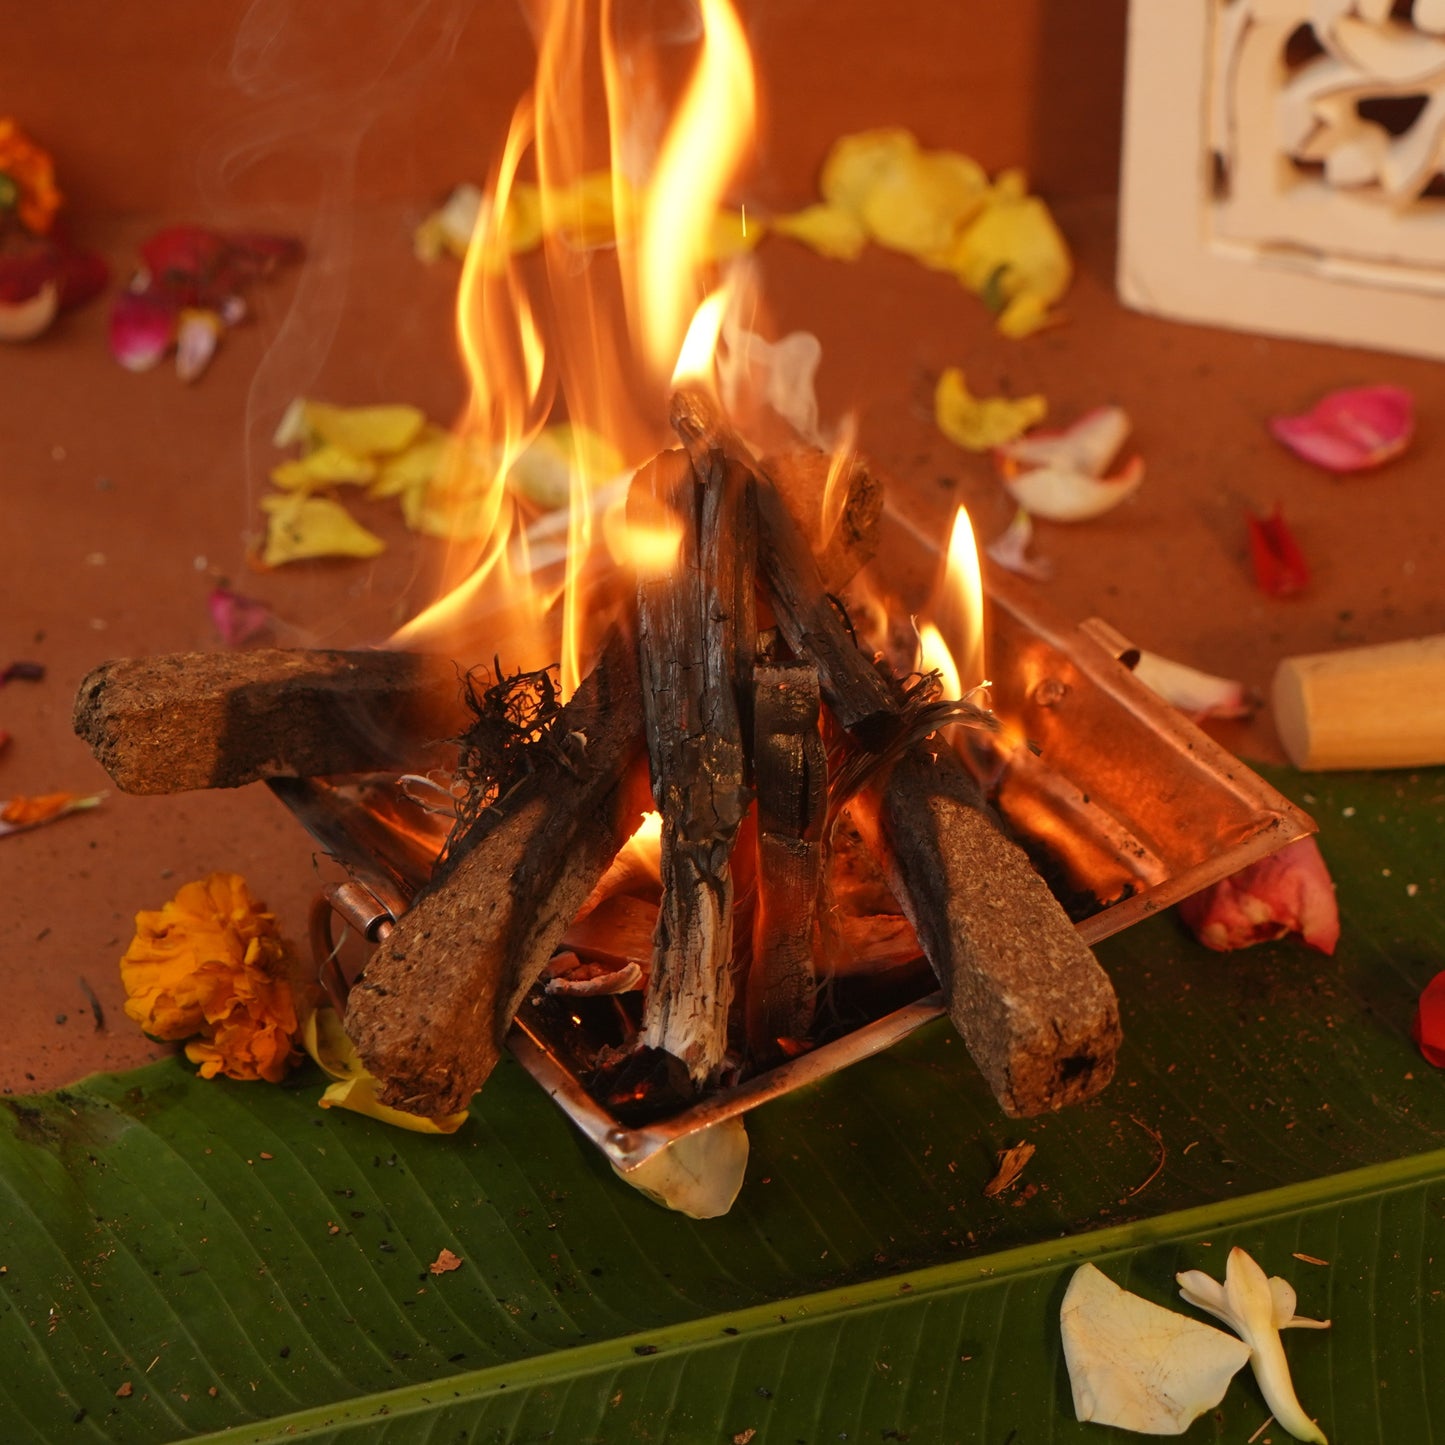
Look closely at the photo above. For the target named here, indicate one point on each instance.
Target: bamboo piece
(1037, 1013)
(1366, 707)
(687, 631)
(430, 1012)
(222, 719)
(791, 772)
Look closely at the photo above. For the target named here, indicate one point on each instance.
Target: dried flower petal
(1288, 892)
(1280, 569)
(979, 424)
(445, 1262)
(304, 527)
(142, 329)
(211, 967)
(544, 473)
(238, 619)
(1137, 1365)
(326, 466)
(1060, 495)
(25, 320)
(1428, 1030)
(363, 430)
(1351, 430)
(23, 812)
(22, 671)
(198, 332)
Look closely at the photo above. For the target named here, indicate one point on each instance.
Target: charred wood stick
(1038, 1014)
(838, 504)
(859, 697)
(433, 1006)
(687, 636)
(220, 719)
(791, 771)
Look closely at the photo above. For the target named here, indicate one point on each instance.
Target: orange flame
(594, 329)
(951, 639)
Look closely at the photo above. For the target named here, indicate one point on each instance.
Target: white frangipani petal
(1061, 494)
(1088, 446)
(1251, 1304)
(1011, 547)
(1198, 694)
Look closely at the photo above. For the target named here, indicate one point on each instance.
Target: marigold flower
(211, 966)
(27, 179)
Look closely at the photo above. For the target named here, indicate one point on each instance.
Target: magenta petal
(142, 329)
(1288, 892)
(1351, 430)
(238, 619)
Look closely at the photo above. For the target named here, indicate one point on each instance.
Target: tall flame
(596, 328)
(951, 640)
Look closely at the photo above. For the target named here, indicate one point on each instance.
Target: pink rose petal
(238, 619)
(1351, 430)
(142, 329)
(1288, 892)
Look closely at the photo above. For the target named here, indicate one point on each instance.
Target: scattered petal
(363, 430)
(413, 468)
(445, 1262)
(831, 231)
(1288, 892)
(198, 332)
(1010, 549)
(238, 619)
(979, 424)
(25, 320)
(22, 672)
(733, 235)
(323, 1037)
(326, 466)
(1351, 430)
(582, 213)
(1089, 445)
(303, 527)
(20, 813)
(448, 230)
(698, 1175)
(142, 329)
(545, 472)
(1198, 694)
(1428, 1030)
(1060, 495)
(1280, 569)
(1137, 1365)
(1256, 1309)
(29, 176)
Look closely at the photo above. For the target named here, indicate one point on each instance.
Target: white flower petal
(1010, 549)
(1060, 494)
(1199, 694)
(1088, 446)
(699, 1175)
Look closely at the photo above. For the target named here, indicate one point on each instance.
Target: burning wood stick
(791, 772)
(857, 693)
(220, 719)
(1038, 1014)
(837, 502)
(429, 1014)
(687, 631)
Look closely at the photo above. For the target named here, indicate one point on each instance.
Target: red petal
(1280, 569)
(183, 253)
(238, 619)
(82, 275)
(1429, 1027)
(142, 329)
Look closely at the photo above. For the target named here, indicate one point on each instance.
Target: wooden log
(1364, 707)
(687, 644)
(838, 505)
(221, 719)
(431, 1010)
(857, 694)
(1037, 1013)
(791, 773)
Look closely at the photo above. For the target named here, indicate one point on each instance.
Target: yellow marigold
(30, 174)
(210, 966)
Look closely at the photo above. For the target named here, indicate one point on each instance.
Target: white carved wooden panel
(1284, 167)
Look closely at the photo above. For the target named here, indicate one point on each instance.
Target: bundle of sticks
(750, 741)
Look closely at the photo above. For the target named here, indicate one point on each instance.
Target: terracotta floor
(126, 497)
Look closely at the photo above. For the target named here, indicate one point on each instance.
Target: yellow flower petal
(325, 467)
(1013, 251)
(581, 213)
(978, 424)
(921, 205)
(326, 1041)
(414, 467)
(733, 234)
(303, 526)
(364, 430)
(448, 230)
(543, 473)
(856, 163)
(832, 231)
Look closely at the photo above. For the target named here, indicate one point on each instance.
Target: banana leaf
(183, 1257)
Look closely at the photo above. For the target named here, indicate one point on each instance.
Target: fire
(951, 640)
(595, 331)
